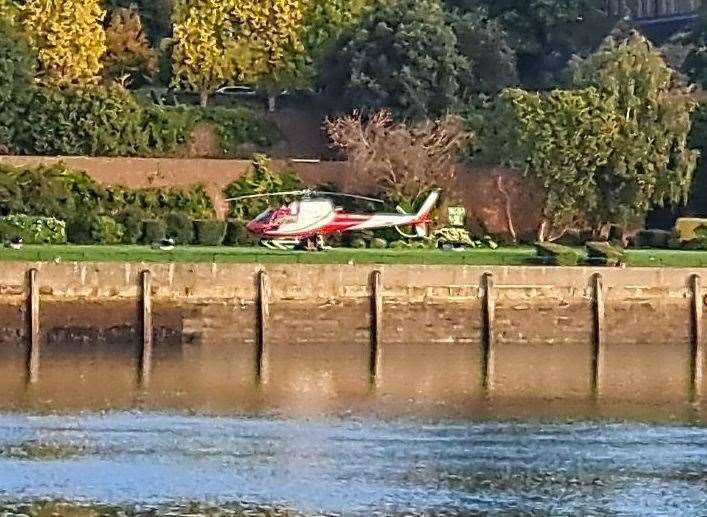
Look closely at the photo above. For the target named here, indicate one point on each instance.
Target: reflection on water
(357, 465)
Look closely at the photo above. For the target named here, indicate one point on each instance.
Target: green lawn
(504, 256)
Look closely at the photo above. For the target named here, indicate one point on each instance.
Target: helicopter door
(308, 214)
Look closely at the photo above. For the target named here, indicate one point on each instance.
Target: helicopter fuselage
(313, 217)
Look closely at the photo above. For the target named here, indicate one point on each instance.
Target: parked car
(236, 91)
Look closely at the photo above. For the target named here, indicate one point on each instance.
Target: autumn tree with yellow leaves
(130, 58)
(249, 41)
(68, 35)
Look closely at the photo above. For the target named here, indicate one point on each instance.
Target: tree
(17, 67)
(402, 56)
(558, 140)
(204, 58)
(251, 41)
(8, 10)
(651, 162)
(271, 31)
(695, 66)
(324, 23)
(156, 15)
(129, 56)
(545, 33)
(483, 42)
(405, 161)
(68, 35)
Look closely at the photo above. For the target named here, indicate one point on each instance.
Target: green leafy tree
(695, 66)
(483, 42)
(17, 67)
(68, 35)
(651, 161)
(325, 21)
(545, 33)
(403, 56)
(8, 11)
(558, 140)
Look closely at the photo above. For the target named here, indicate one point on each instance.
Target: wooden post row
(376, 325)
(263, 308)
(598, 324)
(34, 344)
(489, 320)
(147, 328)
(698, 347)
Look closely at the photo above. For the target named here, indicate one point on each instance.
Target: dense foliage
(403, 56)
(95, 212)
(129, 58)
(32, 230)
(68, 35)
(260, 179)
(606, 151)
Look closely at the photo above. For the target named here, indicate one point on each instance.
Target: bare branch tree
(404, 161)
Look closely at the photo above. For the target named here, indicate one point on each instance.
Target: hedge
(556, 254)
(210, 232)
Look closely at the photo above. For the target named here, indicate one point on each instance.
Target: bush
(79, 229)
(259, 180)
(210, 232)
(180, 227)
(106, 230)
(238, 235)
(32, 229)
(556, 254)
(603, 253)
(652, 239)
(154, 231)
(238, 126)
(131, 218)
(379, 243)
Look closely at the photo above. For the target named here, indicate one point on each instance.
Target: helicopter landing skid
(282, 245)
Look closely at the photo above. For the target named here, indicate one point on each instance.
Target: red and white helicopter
(305, 223)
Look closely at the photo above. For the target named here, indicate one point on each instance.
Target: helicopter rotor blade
(354, 196)
(274, 194)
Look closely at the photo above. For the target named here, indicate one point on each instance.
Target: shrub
(556, 254)
(605, 254)
(32, 229)
(106, 230)
(238, 126)
(259, 180)
(154, 230)
(180, 227)
(210, 232)
(379, 243)
(131, 218)
(79, 229)
(238, 235)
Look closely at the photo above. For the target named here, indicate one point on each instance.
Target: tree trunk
(204, 98)
(507, 208)
(542, 229)
(272, 102)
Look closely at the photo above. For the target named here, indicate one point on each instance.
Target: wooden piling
(489, 319)
(598, 325)
(263, 308)
(698, 349)
(34, 330)
(147, 328)
(376, 325)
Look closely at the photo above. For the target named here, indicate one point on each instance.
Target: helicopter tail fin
(428, 205)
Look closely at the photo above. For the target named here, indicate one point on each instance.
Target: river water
(351, 465)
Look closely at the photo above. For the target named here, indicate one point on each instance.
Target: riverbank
(516, 256)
